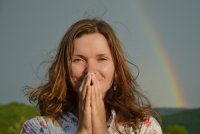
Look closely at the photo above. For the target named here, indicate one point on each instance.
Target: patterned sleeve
(35, 125)
(151, 126)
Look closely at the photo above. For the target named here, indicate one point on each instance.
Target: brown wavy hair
(56, 96)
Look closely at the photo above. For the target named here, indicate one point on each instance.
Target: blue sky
(31, 31)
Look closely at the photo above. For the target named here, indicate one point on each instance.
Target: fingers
(87, 99)
(83, 87)
(98, 115)
(87, 84)
(97, 88)
(83, 91)
(97, 103)
(85, 121)
(90, 92)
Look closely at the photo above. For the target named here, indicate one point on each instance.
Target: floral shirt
(68, 124)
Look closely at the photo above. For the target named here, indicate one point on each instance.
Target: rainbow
(158, 45)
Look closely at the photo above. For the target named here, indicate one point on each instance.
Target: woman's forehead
(91, 43)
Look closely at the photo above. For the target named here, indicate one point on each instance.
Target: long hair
(57, 96)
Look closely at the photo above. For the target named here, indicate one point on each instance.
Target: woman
(90, 89)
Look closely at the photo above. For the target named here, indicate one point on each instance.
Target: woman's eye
(102, 59)
(78, 60)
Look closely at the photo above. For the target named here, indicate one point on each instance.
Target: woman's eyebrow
(98, 55)
(79, 55)
(101, 55)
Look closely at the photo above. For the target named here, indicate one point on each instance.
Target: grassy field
(13, 115)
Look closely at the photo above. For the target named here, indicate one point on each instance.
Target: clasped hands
(92, 114)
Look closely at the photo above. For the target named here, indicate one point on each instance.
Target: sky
(161, 37)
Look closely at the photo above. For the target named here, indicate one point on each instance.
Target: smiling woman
(90, 89)
(92, 55)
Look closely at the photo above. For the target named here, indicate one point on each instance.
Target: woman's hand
(98, 109)
(92, 113)
(85, 124)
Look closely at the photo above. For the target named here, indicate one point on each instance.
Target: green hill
(13, 115)
(190, 119)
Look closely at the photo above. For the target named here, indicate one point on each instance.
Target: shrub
(175, 129)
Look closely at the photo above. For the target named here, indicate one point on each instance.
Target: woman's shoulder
(34, 125)
(150, 125)
(39, 125)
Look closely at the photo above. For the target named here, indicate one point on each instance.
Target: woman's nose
(91, 67)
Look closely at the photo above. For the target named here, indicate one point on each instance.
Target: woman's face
(92, 54)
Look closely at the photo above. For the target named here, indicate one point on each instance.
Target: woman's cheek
(77, 72)
(108, 74)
